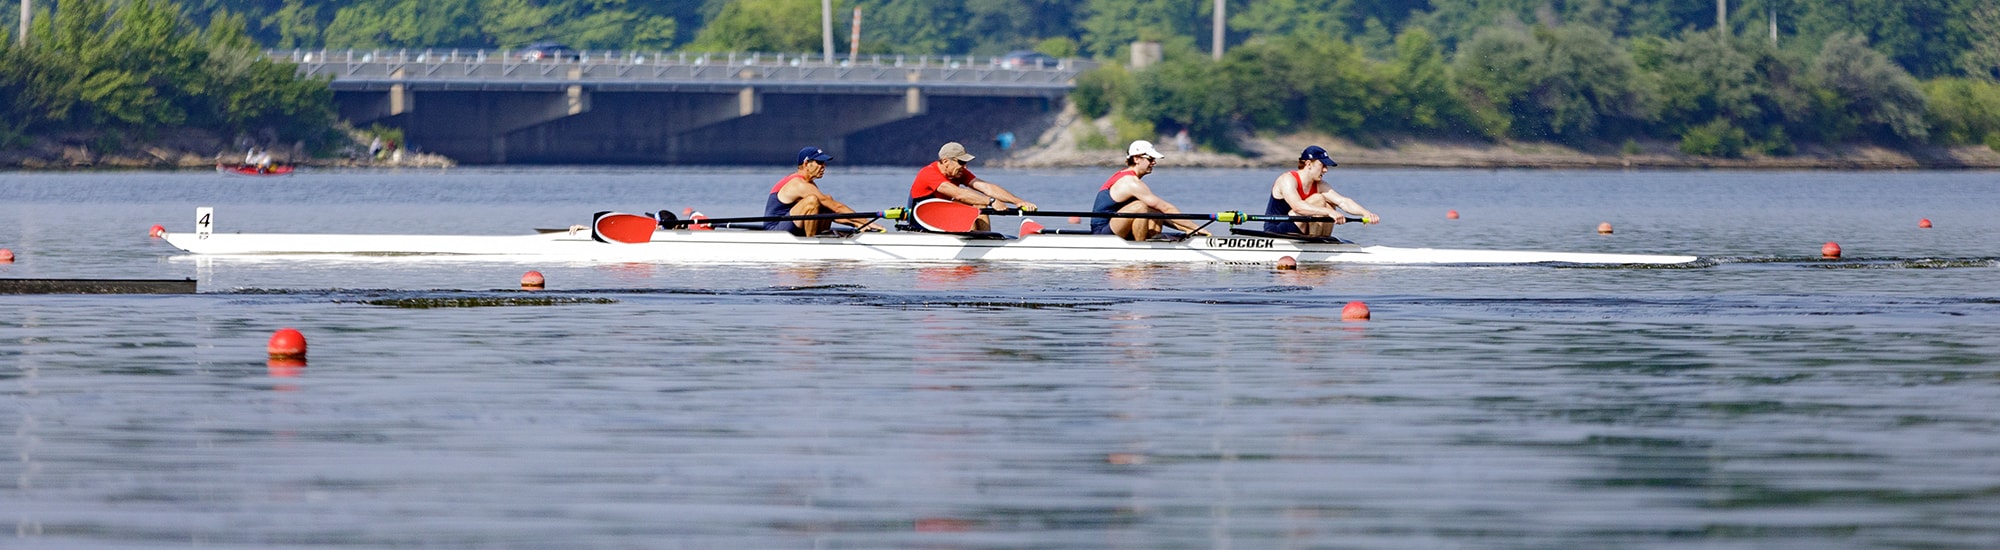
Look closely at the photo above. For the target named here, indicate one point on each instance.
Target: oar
(1229, 217)
(669, 221)
(635, 228)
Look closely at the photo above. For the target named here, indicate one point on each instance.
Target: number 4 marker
(204, 221)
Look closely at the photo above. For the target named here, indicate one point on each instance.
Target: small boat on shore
(635, 238)
(254, 170)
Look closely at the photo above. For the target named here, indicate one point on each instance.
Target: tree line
(1566, 70)
(128, 71)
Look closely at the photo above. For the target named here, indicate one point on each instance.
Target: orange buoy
(1076, 219)
(157, 231)
(533, 280)
(1451, 214)
(1924, 223)
(1604, 228)
(6, 256)
(1355, 311)
(1830, 250)
(287, 343)
(1288, 262)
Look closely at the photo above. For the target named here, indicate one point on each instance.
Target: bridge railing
(641, 66)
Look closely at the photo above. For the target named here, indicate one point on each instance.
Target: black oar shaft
(1128, 215)
(717, 221)
(1231, 217)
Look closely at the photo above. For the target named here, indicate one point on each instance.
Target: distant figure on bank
(1304, 192)
(375, 148)
(1181, 141)
(259, 159)
(799, 195)
(1128, 193)
(949, 179)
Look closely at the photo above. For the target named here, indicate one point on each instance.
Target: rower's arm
(1299, 204)
(864, 222)
(1349, 205)
(1145, 195)
(964, 194)
(994, 190)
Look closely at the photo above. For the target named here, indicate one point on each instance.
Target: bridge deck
(481, 70)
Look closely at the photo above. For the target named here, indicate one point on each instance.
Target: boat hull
(773, 246)
(251, 170)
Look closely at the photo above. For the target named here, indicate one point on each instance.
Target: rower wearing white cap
(1304, 192)
(949, 179)
(1127, 193)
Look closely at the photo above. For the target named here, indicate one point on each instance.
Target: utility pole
(1774, 24)
(1220, 18)
(826, 28)
(26, 13)
(1722, 17)
(854, 38)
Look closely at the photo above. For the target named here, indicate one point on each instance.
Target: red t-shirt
(929, 178)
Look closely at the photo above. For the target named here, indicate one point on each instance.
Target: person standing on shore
(1126, 192)
(799, 195)
(949, 179)
(1304, 192)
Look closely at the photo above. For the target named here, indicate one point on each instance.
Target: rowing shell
(682, 245)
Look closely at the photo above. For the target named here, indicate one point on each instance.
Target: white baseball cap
(1143, 147)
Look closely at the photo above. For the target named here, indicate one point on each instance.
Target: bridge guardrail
(613, 67)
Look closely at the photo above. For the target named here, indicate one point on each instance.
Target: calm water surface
(1764, 398)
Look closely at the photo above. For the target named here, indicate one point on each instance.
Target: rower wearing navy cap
(1304, 192)
(799, 195)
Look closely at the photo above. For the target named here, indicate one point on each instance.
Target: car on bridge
(1025, 59)
(549, 50)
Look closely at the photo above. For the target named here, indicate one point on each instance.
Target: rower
(1304, 192)
(799, 195)
(949, 179)
(1126, 192)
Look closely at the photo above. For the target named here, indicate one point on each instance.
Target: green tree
(1882, 99)
(1565, 83)
(1421, 85)
(1964, 110)
(1111, 25)
(762, 26)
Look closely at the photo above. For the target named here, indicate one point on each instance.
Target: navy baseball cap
(1318, 153)
(813, 153)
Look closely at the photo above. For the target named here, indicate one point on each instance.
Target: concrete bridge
(485, 107)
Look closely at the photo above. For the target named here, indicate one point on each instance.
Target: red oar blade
(946, 216)
(1029, 227)
(623, 228)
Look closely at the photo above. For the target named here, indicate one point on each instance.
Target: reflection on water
(1771, 400)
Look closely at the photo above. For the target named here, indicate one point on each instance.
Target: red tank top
(782, 182)
(1115, 177)
(1303, 190)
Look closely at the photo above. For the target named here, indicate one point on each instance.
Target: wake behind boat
(676, 241)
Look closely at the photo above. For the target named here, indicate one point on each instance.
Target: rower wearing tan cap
(949, 179)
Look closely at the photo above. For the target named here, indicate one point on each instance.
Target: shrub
(1718, 138)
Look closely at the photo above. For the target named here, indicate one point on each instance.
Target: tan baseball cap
(954, 151)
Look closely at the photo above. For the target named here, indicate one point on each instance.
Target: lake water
(1764, 398)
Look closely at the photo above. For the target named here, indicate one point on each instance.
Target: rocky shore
(1057, 147)
(187, 149)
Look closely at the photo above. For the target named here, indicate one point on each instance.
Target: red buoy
(1288, 262)
(6, 256)
(1604, 228)
(1924, 223)
(287, 343)
(1830, 250)
(158, 231)
(533, 280)
(1075, 219)
(1451, 214)
(1355, 311)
